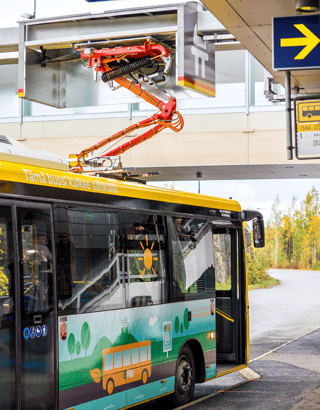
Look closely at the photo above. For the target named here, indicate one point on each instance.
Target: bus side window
(108, 362)
(135, 355)
(222, 257)
(117, 359)
(6, 264)
(143, 353)
(64, 275)
(36, 261)
(126, 357)
(87, 259)
(192, 258)
(144, 243)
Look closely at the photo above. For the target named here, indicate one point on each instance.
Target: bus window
(135, 355)
(87, 259)
(192, 259)
(36, 257)
(117, 359)
(126, 357)
(108, 362)
(222, 257)
(145, 254)
(7, 312)
(6, 265)
(143, 353)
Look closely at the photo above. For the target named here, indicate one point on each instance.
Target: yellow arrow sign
(309, 41)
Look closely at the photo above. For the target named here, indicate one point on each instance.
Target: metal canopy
(66, 82)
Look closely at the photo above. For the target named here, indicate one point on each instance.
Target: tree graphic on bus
(124, 364)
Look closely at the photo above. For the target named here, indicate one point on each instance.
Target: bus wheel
(144, 376)
(185, 377)
(110, 386)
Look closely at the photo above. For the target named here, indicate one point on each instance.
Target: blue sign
(26, 333)
(38, 331)
(32, 332)
(44, 330)
(296, 42)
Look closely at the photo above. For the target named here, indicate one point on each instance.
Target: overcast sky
(253, 194)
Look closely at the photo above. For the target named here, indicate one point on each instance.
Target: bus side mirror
(258, 232)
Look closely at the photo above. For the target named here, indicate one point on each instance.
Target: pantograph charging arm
(141, 56)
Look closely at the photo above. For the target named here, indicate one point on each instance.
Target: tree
(78, 348)
(71, 344)
(176, 324)
(4, 283)
(85, 336)
(186, 319)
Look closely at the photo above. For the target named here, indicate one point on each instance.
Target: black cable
(126, 69)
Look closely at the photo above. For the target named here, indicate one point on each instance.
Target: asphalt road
(284, 312)
(277, 315)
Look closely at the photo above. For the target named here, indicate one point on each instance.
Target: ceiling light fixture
(307, 6)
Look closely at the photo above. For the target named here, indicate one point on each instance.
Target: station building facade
(238, 127)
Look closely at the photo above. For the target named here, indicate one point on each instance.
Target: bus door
(231, 295)
(7, 312)
(35, 271)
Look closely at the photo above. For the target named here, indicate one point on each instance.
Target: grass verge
(267, 283)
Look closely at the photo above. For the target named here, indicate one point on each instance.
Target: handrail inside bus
(224, 315)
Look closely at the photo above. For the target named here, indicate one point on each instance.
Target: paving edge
(249, 374)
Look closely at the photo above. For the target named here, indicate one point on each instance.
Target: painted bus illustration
(311, 111)
(125, 364)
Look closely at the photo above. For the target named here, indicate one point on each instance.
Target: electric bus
(114, 293)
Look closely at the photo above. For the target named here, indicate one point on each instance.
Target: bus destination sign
(307, 114)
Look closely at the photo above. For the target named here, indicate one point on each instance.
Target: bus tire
(110, 386)
(144, 376)
(185, 377)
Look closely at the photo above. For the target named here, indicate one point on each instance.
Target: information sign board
(307, 115)
(296, 42)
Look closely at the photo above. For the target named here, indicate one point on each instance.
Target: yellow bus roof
(44, 176)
